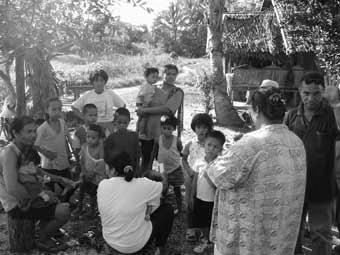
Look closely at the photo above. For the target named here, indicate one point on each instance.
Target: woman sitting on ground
(14, 197)
(123, 202)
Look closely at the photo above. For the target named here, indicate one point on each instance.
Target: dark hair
(170, 120)
(150, 70)
(18, 123)
(39, 121)
(202, 119)
(171, 67)
(269, 102)
(52, 99)
(154, 176)
(313, 77)
(96, 128)
(98, 73)
(88, 107)
(123, 112)
(218, 135)
(30, 154)
(48, 102)
(120, 161)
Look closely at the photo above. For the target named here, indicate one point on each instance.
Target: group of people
(249, 198)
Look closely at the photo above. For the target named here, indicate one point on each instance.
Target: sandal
(190, 235)
(50, 246)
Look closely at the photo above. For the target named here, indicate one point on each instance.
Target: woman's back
(122, 207)
(264, 194)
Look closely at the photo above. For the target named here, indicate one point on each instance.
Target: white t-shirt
(122, 207)
(205, 191)
(106, 103)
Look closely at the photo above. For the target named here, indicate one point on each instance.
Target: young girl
(169, 149)
(201, 124)
(51, 142)
(92, 167)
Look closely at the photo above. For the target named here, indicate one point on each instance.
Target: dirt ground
(76, 229)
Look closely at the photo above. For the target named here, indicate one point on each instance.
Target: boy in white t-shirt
(205, 189)
(105, 100)
(145, 94)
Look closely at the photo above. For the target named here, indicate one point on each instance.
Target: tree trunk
(226, 114)
(20, 83)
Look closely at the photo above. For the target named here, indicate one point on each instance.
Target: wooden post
(21, 234)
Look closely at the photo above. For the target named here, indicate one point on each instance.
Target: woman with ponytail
(260, 184)
(122, 204)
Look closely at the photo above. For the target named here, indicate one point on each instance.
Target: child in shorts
(205, 189)
(169, 149)
(92, 169)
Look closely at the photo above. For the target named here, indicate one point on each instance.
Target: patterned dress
(260, 193)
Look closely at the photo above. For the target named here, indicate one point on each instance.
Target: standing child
(92, 168)
(169, 149)
(144, 97)
(201, 124)
(51, 142)
(205, 192)
(124, 139)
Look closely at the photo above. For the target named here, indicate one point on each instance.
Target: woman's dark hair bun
(270, 103)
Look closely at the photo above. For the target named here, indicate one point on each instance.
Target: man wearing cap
(314, 122)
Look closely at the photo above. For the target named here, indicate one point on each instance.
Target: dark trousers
(161, 220)
(147, 148)
(320, 222)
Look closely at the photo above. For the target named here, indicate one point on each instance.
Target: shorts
(42, 213)
(202, 213)
(176, 178)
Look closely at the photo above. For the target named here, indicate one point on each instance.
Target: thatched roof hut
(261, 39)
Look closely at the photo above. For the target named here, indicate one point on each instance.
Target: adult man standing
(314, 122)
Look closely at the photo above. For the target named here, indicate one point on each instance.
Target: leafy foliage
(181, 28)
(315, 26)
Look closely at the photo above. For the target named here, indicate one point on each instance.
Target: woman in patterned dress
(260, 185)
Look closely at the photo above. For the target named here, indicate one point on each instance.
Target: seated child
(33, 179)
(144, 97)
(92, 169)
(203, 203)
(168, 149)
(125, 139)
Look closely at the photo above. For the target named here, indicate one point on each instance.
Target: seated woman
(15, 198)
(123, 202)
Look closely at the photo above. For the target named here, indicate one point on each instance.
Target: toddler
(92, 169)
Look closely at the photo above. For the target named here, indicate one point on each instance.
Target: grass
(124, 70)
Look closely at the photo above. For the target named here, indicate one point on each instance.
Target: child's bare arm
(185, 154)
(210, 182)
(148, 212)
(47, 153)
